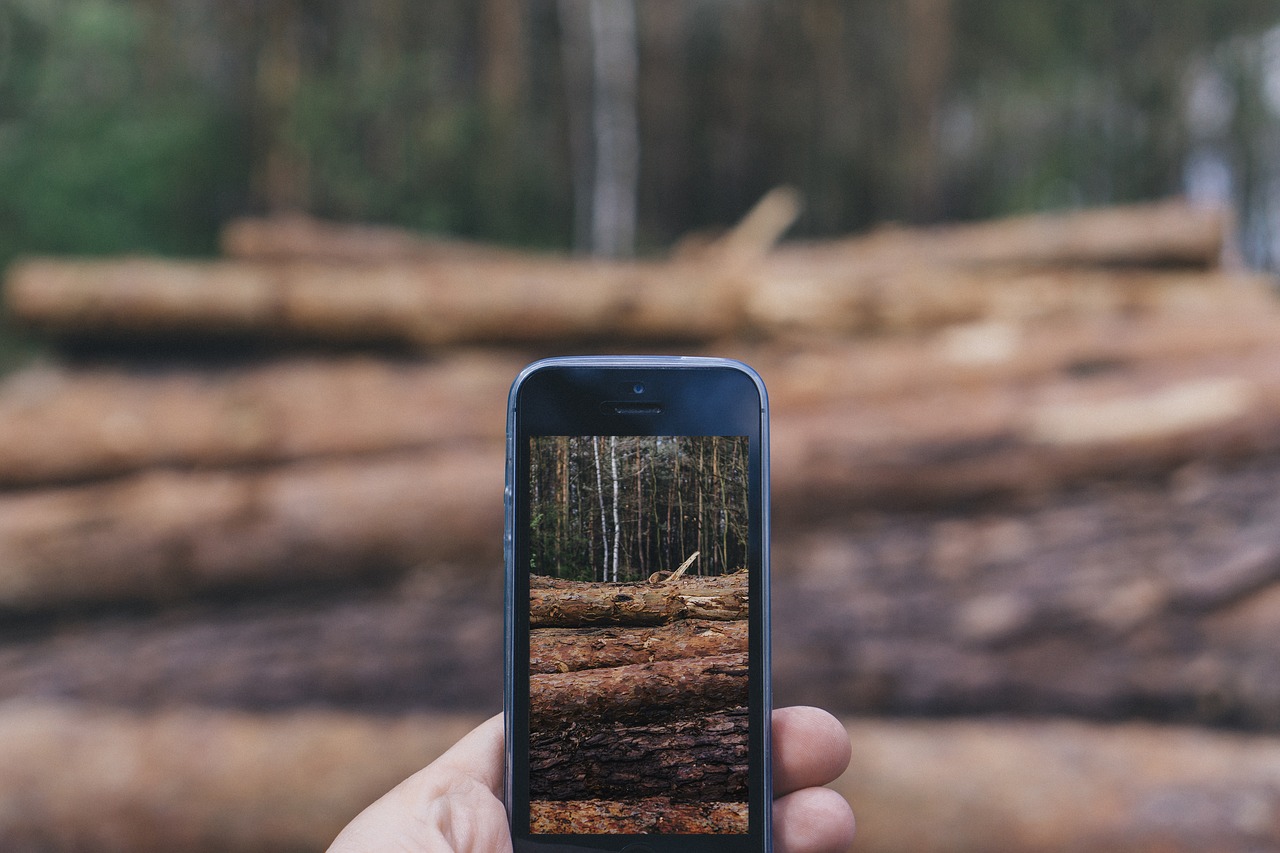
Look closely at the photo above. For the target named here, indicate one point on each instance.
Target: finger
(813, 820)
(480, 755)
(810, 748)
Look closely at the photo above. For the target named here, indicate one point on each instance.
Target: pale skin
(455, 803)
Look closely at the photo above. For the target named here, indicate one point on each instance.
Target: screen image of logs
(638, 640)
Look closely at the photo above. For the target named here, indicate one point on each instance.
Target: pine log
(570, 604)
(1157, 599)
(574, 649)
(701, 758)
(542, 300)
(164, 534)
(91, 779)
(1009, 441)
(66, 426)
(800, 295)
(297, 237)
(1016, 787)
(1163, 234)
(637, 816)
(418, 303)
(638, 693)
(431, 641)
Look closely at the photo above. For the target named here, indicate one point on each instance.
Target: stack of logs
(638, 718)
(1022, 469)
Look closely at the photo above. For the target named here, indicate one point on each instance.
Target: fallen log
(163, 535)
(424, 304)
(66, 426)
(431, 641)
(1163, 234)
(1018, 787)
(1155, 599)
(570, 604)
(574, 649)
(93, 779)
(1010, 441)
(637, 816)
(638, 693)
(699, 758)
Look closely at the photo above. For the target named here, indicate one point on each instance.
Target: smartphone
(637, 606)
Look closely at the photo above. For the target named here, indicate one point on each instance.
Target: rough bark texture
(1150, 599)
(164, 534)
(569, 604)
(62, 425)
(573, 649)
(638, 816)
(701, 758)
(639, 692)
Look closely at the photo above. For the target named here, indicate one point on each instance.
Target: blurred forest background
(140, 125)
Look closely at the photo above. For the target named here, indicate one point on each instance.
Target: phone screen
(637, 679)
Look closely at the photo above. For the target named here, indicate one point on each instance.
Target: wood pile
(1023, 468)
(637, 712)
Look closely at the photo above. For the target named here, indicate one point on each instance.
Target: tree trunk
(569, 604)
(574, 649)
(638, 693)
(167, 534)
(699, 758)
(66, 426)
(632, 817)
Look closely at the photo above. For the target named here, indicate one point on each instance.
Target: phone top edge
(630, 361)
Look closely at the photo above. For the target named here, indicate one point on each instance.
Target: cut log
(426, 304)
(801, 295)
(60, 425)
(1157, 599)
(1162, 234)
(570, 604)
(1010, 441)
(297, 237)
(573, 649)
(79, 779)
(695, 759)
(433, 641)
(639, 816)
(1011, 787)
(163, 534)
(639, 693)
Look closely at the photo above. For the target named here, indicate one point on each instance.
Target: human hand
(455, 803)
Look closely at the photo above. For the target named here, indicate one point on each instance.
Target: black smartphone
(637, 606)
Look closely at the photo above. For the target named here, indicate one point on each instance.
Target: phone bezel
(699, 396)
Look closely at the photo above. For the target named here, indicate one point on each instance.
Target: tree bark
(569, 604)
(66, 426)
(1154, 599)
(168, 534)
(700, 758)
(639, 816)
(638, 693)
(574, 649)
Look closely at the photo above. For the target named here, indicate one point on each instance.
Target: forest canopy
(620, 508)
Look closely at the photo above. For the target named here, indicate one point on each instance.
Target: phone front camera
(638, 388)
